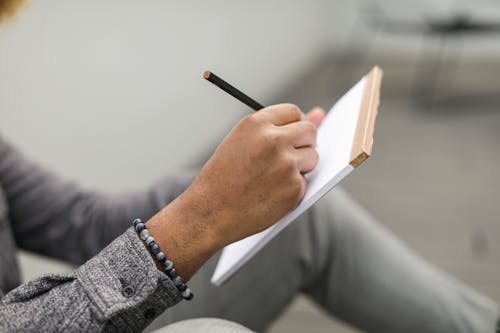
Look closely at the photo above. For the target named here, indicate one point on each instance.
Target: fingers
(306, 159)
(300, 133)
(281, 114)
(316, 115)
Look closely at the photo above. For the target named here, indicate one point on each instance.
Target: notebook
(344, 141)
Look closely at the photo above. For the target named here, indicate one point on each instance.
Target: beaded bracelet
(166, 264)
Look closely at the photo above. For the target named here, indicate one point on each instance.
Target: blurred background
(110, 94)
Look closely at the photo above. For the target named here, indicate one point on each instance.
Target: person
(335, 253)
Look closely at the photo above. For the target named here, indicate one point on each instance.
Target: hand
(252, 180)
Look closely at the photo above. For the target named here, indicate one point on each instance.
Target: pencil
(232, 90)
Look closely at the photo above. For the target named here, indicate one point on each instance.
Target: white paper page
(334, 145)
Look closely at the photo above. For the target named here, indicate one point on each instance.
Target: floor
(433, 176)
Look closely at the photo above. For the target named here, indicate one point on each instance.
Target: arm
(49, 215)
(252, 180)
(119, 290)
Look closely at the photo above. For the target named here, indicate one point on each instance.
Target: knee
(342, 216)
(204, 325)
(334, 209)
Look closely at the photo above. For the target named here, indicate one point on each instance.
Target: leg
(374, 282)
(351, 266)
(203, 325)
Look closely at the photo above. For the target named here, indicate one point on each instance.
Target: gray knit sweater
(41, 213)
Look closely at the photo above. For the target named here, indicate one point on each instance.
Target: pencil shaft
(236, 93)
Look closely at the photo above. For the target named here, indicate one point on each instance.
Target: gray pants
(351, 266)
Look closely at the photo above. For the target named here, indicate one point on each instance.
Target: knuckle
(291, 109)
(309, 128)
(244, 123)
(271, 139)
(267, 147)
(256, 126)
(308, 132)
(294, 109)
(269, 112)
(251, 120)
(313, 131)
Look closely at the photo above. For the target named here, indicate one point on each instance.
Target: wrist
(196, 221)
(185, 235)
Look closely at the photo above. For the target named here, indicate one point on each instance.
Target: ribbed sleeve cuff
(125, 285)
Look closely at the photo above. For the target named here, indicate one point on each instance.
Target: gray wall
(110, 92)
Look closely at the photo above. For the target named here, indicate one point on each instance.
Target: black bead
(136, 221)
(162, 260)
(160, 257)
(155, 249)
(182, 287)
(173, 273)
(190, 297)
(178, 281)
(168, 265)
(139, 227)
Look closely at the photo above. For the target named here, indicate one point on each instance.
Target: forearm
(119, 290)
